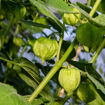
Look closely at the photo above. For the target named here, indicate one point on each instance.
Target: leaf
(100, 19)
(30, 23)
(87, 34)
(97, 83)
(59, 5)
(9, 96)
(45, 93)
(38, 101)
(45, 10)
(35, 78)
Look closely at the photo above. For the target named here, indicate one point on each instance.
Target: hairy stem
(102, 45)
(95, 7)
(52, 72)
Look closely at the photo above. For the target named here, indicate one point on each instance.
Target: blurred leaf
(9, 96)
(35, 78)
(45, 10)
(97, 83)
(30, 23)
(59, 5)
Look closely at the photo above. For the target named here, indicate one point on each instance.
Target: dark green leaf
(87, 34)
(9, 96)
(30, 23)
(35, 78)
(46, 11)
(97, 83)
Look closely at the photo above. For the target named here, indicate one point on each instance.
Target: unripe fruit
(69, 79)
(45, 48)
(71, 19)
(86, 92)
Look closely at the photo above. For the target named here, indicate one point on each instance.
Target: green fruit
(45, 48)
(69, 79)
(18, 41)
(89, 35)
(86, 92)
(71, 19)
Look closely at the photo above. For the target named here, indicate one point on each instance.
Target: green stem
(9, 26)
(59, 48)
(9, 61)
(102, 45)
(52, 72)
(95, 7)
(17, 30)
(89, 2)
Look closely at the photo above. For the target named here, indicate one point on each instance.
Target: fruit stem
(43, 62)
(102, 45)
(95, 7)
(59, 48)
(52, 72)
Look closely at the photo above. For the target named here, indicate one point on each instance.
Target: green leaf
(9, 96)
(86, 8)
(100, 19)
(30, 23)
(97, 83)
(87, 34)
(46, 11)
(35, 78)
(38, 101)
(59, 5)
